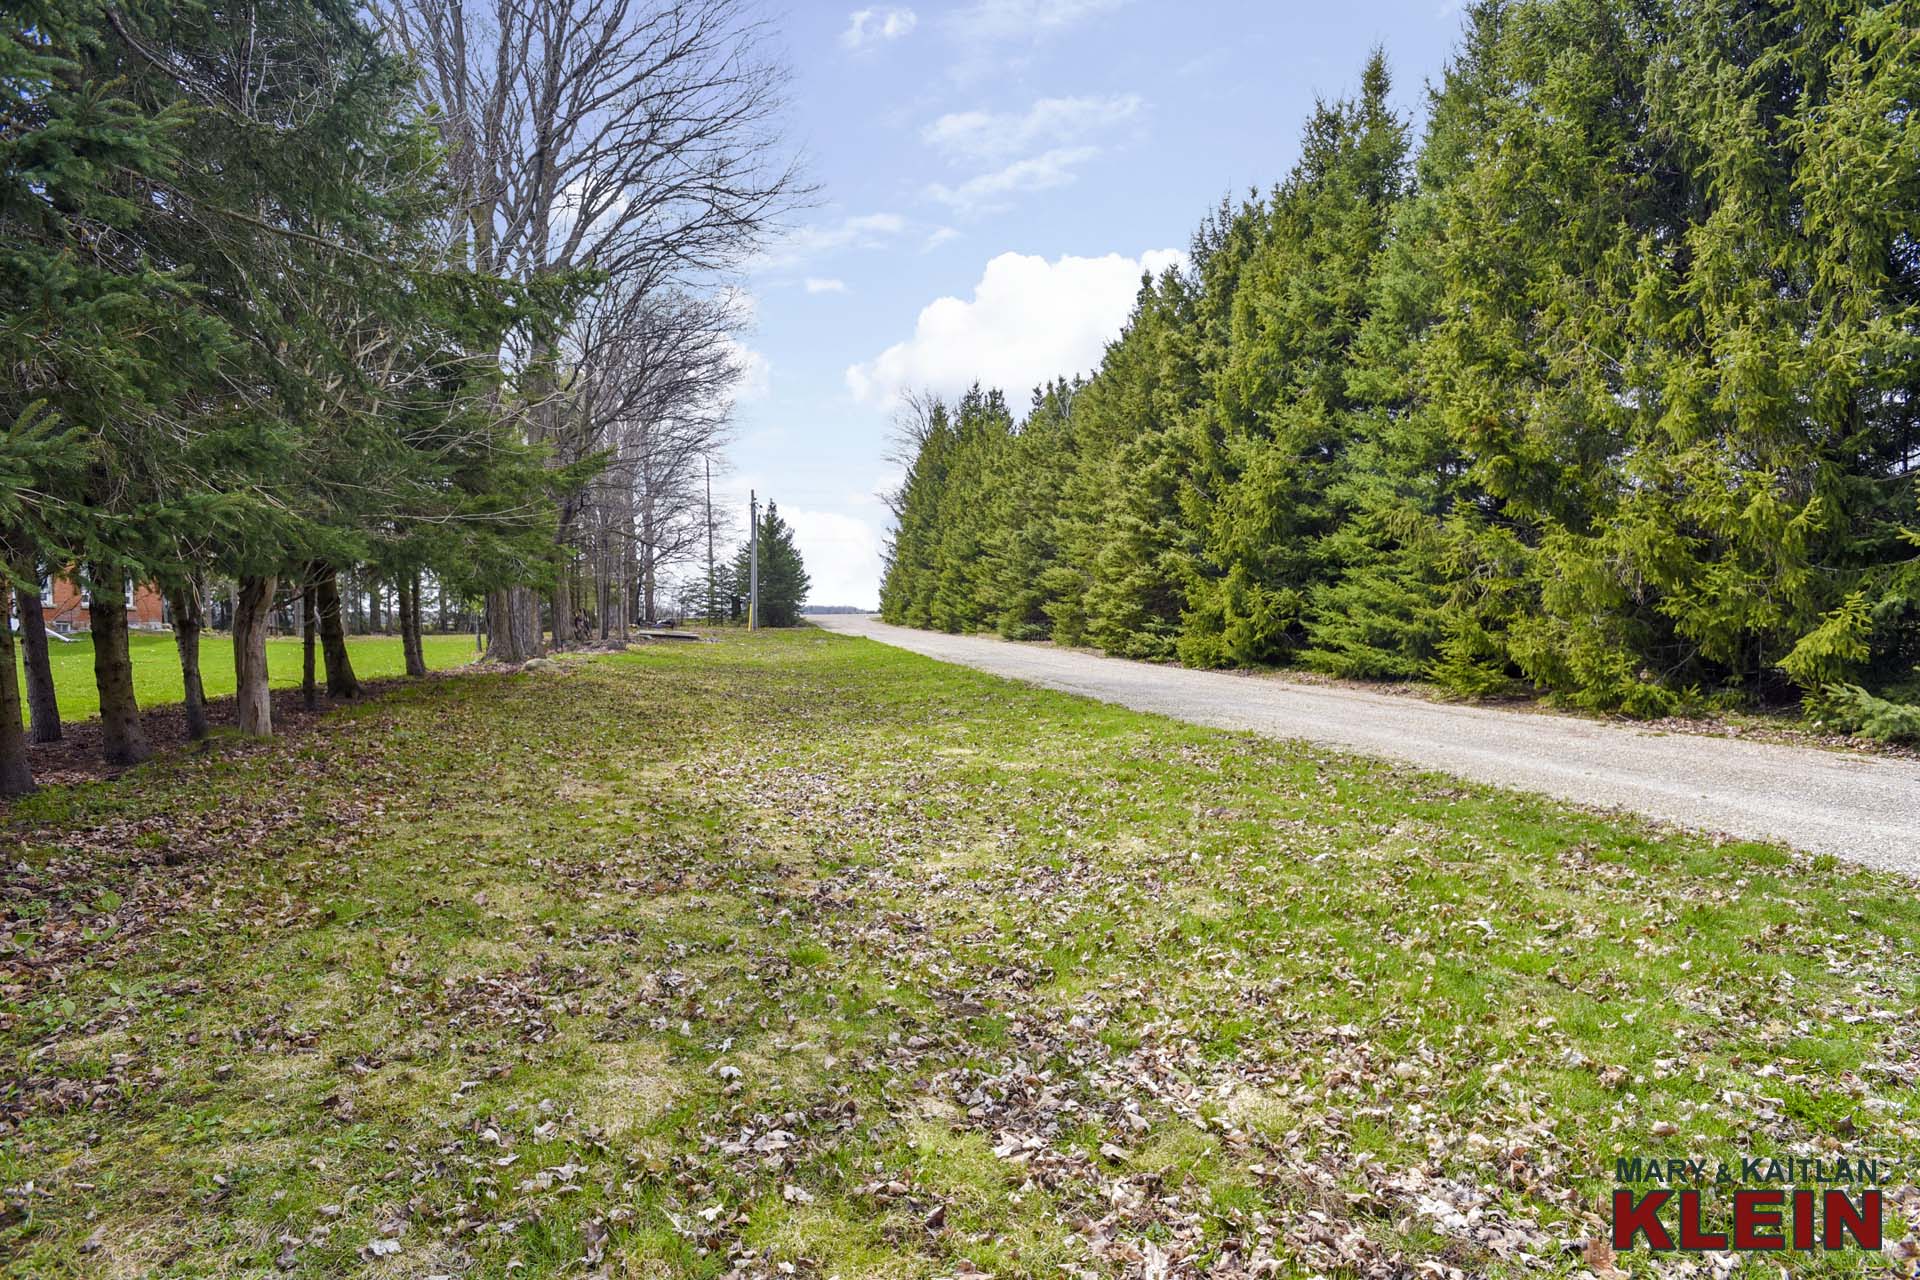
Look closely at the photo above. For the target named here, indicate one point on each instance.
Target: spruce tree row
(234, 344)
(1610, 388)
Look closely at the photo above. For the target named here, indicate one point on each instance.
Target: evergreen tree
(1123, 532)
(91, 326)
(906, 588)
(783, 577)
(1023, 545)
(979, 465)
(219, 264)
(1610, 391)
(1286, 413)
(1382, 607)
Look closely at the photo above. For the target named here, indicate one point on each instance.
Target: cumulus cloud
(867, 27)
(825, 284)
(1049, 122)
(1028, 320)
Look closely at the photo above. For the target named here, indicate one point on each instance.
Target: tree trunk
(400, 615)
(333, 636)
(16, 772)
(309, 633)
(604, 581)
(563, 608)
(417, 660)
(187, 621)
(626, 595)
(41, 701)
(499, 625)
(252, 700)
(496, 609)
(513, 625)
(623, 593)
(409, 626)
(409, 588)
(122, 740)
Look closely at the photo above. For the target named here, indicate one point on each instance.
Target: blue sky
(993, 176)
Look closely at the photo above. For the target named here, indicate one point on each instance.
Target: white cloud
(1017, 19)
(859, 231)
(1013, 142)
(939, 236)
(867, 27)
(990, 191)
(755, 379)
(1029, 320)
(825, 284)
(886, 483)
(753, 376)
(996, 39)
(1049, 122)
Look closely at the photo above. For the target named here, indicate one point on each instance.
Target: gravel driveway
(1862, 808)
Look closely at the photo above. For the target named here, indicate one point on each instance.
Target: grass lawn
(797, 955)
(156, 665)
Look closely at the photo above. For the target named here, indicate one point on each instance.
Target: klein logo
(1770, 1218)
(1773, 1205)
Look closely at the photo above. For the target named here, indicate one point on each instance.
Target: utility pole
(713, 605)
(753, 563)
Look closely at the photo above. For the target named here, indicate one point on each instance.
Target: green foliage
(219, 265)
(1852, 709)
(38, 456)
(1836, 646)
(235, 345)
(977, 543)
(1612, 390)
(1269, 458)
(92, 328)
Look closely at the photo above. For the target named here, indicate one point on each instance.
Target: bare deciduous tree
(635, 140)
(658, 399)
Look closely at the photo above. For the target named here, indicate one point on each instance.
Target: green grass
(156, 665)
(795, 951)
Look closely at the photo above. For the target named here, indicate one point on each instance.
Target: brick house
(65, 604)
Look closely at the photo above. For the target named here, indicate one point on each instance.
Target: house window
(46, 590)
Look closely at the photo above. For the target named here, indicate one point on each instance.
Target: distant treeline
(1608, 389)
